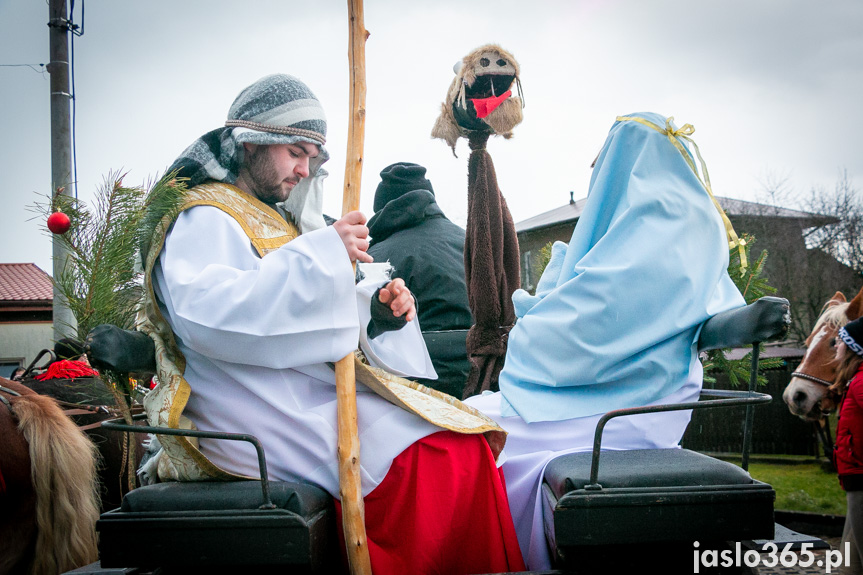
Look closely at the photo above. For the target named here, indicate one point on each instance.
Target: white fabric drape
(257, 334)
(531, 446)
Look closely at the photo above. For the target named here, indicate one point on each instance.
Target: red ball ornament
(59, 223)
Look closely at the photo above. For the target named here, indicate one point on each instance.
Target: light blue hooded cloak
(617, 313)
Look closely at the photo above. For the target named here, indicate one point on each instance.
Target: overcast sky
(772, 87)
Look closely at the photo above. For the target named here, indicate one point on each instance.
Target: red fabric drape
(441, 509)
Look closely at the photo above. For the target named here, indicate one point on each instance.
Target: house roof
(787, 353)
(572, 211)
(738, 208)
(566, 213)
(24, 283)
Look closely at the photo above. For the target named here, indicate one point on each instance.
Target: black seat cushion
(300, 498)
(206, 525)
(662, 495)
(642, 468)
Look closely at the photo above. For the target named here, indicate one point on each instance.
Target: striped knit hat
(277, 109)
(852, 335)
(278, 105)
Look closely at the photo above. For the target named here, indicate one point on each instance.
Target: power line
(76, 31)
(31, 66)
(73, 28)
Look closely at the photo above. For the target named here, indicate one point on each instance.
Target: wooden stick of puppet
(350, 488)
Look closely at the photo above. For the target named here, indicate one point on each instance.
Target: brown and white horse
(48, 490)
(812, 392)
(88, 402)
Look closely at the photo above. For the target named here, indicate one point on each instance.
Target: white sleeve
(401, 352)
(295, 306)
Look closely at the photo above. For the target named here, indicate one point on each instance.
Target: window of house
(526, 276)
(8, 366)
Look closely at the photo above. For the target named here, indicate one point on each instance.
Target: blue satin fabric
(617, 313)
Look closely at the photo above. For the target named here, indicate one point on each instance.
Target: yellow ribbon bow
(685, 132)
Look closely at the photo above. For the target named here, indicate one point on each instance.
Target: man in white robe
(251, 311)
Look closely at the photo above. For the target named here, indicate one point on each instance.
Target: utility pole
(61, 145)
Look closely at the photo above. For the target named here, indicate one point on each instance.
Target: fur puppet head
(479, 98)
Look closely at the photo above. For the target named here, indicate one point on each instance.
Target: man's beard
(264, 179)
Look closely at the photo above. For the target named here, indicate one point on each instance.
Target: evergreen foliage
(543, 258)
(753, 285)
(163, 201)
(101, 281)
(102, 277)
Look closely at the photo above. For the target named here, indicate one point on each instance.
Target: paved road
(815, 568)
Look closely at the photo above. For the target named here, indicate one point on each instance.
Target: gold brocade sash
(685, 132)
(267, 231)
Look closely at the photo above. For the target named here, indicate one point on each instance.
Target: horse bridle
(70, 408)
(812, 378)
(6, 401)
(830, 393)
(823, 429)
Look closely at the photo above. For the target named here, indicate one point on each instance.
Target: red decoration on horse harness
(59, 223)
(67, 369)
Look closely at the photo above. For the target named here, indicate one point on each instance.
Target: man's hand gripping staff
(354, 234)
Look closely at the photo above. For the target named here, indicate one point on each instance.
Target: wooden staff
(350, 488)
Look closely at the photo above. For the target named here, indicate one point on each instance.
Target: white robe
(257, 334)
(531, 446)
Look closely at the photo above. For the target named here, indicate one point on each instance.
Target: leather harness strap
(77, 409)
(72, 408)
(812, 378)
(10, 392)
(829, 402)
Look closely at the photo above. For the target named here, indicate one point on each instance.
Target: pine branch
(100, 282)
(163, 201)
(752, 286)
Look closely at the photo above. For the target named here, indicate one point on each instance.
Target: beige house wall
(23, 341)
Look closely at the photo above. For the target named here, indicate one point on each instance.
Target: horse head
(812, 391)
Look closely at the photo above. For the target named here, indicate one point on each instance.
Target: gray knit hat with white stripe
(280, 104)
(277, 109)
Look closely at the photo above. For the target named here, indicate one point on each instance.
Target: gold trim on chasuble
(267, 231)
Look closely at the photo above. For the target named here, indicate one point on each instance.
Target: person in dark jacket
(426, 249)
(848, 452)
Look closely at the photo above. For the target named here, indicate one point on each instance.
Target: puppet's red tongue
(485, 106)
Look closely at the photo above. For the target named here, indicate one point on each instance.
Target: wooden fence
(776, 431)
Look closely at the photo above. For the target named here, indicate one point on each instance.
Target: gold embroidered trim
(267, 231)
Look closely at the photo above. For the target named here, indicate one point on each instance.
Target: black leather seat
(209, 525)
(603, 500)
(656, 495)
(221, 524)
